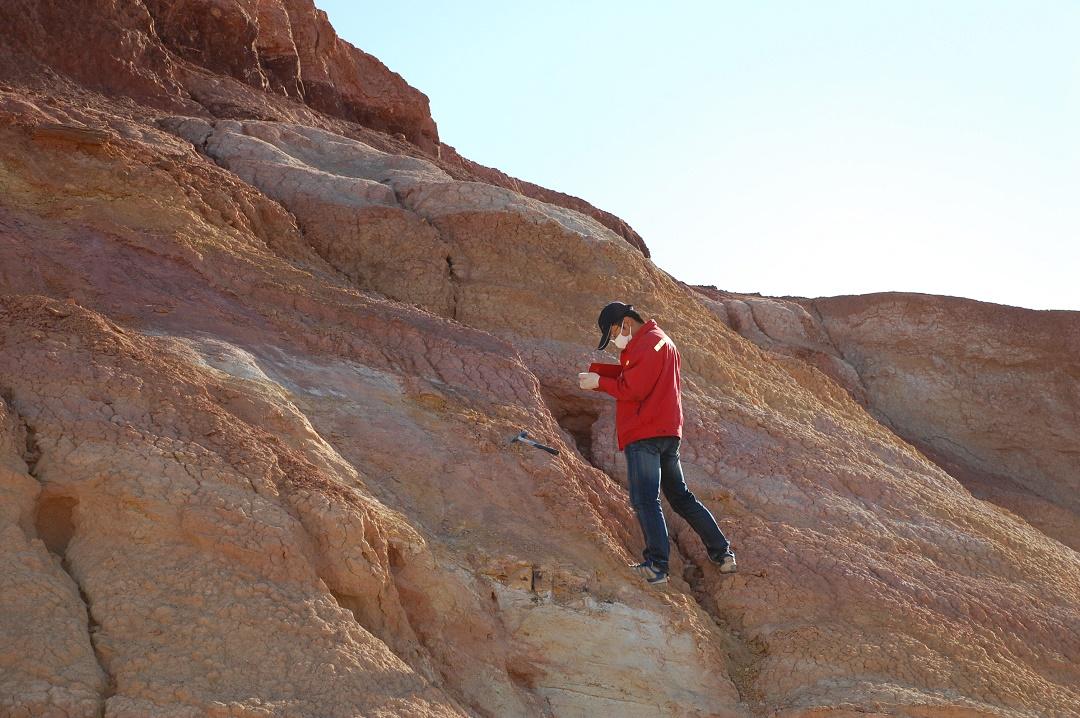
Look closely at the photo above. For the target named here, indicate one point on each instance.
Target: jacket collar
(643, 329)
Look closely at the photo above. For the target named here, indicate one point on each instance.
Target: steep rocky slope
(260, 365)
(989, 392)
(261, 59)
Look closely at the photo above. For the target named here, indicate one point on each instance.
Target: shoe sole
(720, 567)
(648, 576)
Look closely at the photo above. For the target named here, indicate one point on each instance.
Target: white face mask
(621, 341)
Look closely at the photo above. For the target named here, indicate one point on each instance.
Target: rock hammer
(521, 437)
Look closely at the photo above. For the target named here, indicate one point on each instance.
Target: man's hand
(588, 380)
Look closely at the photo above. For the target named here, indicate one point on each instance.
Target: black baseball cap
(613, 313)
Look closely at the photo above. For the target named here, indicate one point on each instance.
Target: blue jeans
(653, 464)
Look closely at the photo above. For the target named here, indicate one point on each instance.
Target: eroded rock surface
(47, 662)
(247, 59)
(260, 374)
(986, 391)
(990, 392)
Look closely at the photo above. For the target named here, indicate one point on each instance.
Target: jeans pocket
(645, 446)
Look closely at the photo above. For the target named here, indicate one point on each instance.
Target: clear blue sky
(803, 148)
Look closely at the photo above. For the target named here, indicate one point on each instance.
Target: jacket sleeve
(637, 379)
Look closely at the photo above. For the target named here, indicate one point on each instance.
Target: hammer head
(519, 437)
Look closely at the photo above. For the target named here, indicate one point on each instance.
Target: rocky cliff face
(992, 393)
(988, 392)
(262, 59)
(260, 362)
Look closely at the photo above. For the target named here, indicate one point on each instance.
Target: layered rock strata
(260, 367)
(986, 391)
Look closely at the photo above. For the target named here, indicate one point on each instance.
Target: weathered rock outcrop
(259, 376)
(784, 327)
(992, 393)
(463, 168)
(159, 52)
(242, 59)
(46, 660)
(988, 392)
(301, 485)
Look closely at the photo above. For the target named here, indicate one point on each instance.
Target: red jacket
(645, 385)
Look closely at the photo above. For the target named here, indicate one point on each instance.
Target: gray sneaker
(650, 573)
(726, 562)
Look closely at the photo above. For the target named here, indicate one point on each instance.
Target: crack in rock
(55, 526)
(742, 657)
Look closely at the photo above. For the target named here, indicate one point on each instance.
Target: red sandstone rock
(216, 34)
(277, 49)
(259, 378)
(784, 327)
(463, 168)
(982, 389)
(341, 80)
(218, 57)
(990, 392)
(104, 45)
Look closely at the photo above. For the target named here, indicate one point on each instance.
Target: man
(648, 422)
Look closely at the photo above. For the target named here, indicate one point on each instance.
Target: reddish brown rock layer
(463, 168)
(473, 604)
(259, 378)
(239, 58)
(989, 392)
(112, 48)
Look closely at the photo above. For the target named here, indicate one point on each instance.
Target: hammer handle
(538, 445)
